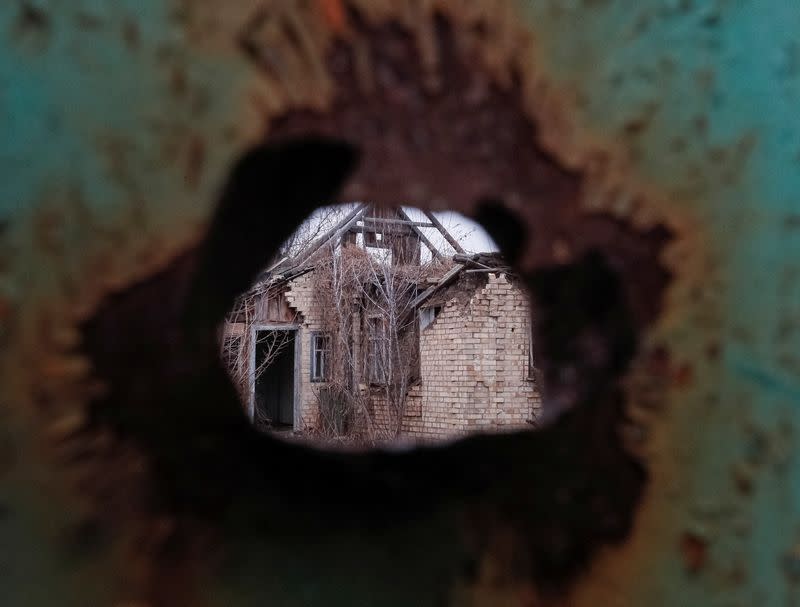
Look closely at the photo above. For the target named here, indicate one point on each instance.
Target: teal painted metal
(111, 109)
(703, 98)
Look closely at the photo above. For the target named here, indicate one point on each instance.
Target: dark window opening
(320, 356)
(378, 352)
(428, 315)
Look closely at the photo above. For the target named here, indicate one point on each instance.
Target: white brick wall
(301, 297)
(474, 363)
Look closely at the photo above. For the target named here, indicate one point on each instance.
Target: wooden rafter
(406, 222)
(447, 235)
(334, 233)
(424, 239)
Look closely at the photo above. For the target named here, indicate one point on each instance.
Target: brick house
(466, 329)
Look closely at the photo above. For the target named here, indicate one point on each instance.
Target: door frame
(251, 370)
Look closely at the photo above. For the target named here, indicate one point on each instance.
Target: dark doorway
(275, 382)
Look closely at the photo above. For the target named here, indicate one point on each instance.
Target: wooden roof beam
(447, 236)
(424, 239)
(405, 222)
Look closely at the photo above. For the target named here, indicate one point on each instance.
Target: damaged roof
(479, 263)
(289, 267)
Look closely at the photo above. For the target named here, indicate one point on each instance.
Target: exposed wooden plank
(333, 234)
(448, 237)
(394, 230)
(405, 222)
(485, 270)
(423, 239)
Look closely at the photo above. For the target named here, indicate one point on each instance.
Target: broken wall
(300, 296)
(474, 363)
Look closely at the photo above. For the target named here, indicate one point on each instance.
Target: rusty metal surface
(641, 156)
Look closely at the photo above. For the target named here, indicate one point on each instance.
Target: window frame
(325, 352)
(376, 337)
(429, 314)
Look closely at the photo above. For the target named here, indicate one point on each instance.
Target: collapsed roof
(372, 223)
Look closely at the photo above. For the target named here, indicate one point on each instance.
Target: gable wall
(474, 363)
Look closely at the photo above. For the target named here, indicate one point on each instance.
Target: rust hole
(566, 489)
(353, 334)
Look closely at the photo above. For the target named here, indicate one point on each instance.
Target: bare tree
(366, 300)
(316, 226)
(391, 327)
(236, 343)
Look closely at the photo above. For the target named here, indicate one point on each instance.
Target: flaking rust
(661, 159)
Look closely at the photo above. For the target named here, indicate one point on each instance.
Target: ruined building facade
(468, 327)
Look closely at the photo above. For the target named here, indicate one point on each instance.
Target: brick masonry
(300, 296)
(474, 363)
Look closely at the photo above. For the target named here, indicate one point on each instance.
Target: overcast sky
(470, 235)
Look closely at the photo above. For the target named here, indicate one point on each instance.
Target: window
(428, 315)
(320, 356)
(378, 350)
